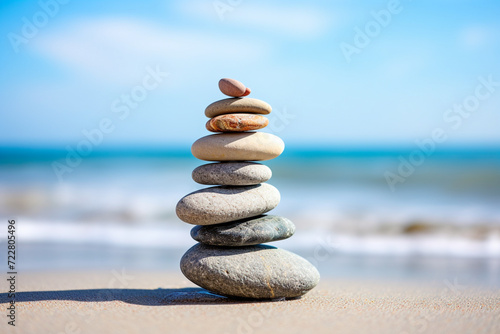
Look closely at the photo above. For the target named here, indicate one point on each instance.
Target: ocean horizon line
(13, 153)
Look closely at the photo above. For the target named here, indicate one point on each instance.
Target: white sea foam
(132, 204)
(176, 236)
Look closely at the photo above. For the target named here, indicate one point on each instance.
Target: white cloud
(116, 50)
(301, 22)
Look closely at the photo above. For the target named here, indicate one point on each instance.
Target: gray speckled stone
(232, 173)
(261, 272)
(223, 204)
(245, 232)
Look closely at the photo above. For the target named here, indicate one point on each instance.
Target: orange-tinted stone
(236, 123)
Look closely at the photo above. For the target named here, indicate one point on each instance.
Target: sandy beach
(163, 302)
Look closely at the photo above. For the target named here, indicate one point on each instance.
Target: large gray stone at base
(260, 272)
(245, 232)
(224, 204)
(232, 173)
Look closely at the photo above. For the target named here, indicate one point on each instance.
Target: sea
(363, 213)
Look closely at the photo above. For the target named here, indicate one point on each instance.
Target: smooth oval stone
(236, 123)
(232, 173)
(223, 204)
(232, 105)
(260, 272)
(232, 87)
(241, 146)
(247, 92)
(245, 232)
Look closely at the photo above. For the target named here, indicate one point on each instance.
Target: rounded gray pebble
(258, 272)
(245, 232)
(232, 173)
(224, 204)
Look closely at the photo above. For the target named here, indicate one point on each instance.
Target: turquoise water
(122, 203)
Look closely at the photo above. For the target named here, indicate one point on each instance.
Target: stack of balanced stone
(230, 258)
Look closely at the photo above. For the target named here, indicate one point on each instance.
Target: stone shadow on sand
(145, 297)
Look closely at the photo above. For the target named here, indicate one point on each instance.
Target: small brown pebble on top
(234, 88)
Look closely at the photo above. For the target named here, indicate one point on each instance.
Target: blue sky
(72, 72)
